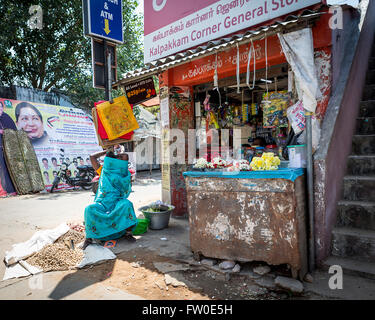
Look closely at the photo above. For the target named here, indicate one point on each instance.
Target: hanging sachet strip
(238, 69)
(251, 52)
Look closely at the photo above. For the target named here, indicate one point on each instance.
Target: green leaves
(58, 56)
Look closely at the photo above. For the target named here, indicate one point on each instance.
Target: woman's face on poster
(30, 122)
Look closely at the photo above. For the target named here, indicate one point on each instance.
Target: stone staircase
(353, 238)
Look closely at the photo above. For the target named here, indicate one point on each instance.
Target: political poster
(50, 129)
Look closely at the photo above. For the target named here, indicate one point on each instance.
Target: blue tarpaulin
(282, 173)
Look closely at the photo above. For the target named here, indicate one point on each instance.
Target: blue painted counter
(282, 173)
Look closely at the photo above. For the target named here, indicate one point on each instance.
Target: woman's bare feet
(87, 242)
(129, 237)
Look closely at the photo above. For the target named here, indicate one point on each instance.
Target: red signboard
(171, 26)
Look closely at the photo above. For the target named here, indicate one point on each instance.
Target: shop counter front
(249, 216)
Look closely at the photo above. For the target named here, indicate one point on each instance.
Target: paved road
(22, 216)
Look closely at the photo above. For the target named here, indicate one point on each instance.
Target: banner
(51, 128)
(171, 26)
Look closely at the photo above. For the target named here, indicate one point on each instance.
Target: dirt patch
(135, 272)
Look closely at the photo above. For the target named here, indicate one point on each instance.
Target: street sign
(103, 19)
(99, 63)
(140, 91)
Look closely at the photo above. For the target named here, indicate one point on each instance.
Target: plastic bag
(315, 134)
(296, 117)
(95, 253)
(274, 109)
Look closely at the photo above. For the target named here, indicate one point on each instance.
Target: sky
(140, 7)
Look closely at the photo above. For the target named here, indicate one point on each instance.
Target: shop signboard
(103, 19)
(171, 26)
(51, 128)
(140, 91)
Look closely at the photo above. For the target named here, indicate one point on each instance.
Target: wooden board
(22, 162)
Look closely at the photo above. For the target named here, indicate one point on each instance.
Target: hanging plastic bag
(315, 130)
(296, 117)
(274, 109)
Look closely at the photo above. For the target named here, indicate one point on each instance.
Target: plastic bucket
(158, 220)
(297, 156)
(141, 227)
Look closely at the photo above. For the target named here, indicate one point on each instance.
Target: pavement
(22, 216)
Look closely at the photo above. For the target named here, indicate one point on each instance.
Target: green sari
(112, 213)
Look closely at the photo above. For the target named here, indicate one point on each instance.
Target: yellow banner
(117, 118)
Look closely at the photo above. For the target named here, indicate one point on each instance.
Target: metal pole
(310, 190)
(109, 77)
(105, 70)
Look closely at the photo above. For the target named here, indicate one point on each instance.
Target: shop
(239, 101)
(235, 93)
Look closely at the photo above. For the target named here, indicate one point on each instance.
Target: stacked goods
(275, 106)
(268, 161)
(22, 162)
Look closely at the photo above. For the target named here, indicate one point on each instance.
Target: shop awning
(291, 22)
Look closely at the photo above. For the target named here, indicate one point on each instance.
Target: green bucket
(141, 227)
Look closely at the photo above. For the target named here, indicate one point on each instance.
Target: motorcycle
(83, 178)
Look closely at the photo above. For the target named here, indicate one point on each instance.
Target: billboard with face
(51, 128)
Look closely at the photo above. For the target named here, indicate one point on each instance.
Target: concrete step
(351, 267)
(368, 92)
(356, 214)
(361, 165)
(367, 108)
(365, 125)
(359, 188)
(363, 144)
(354, 243)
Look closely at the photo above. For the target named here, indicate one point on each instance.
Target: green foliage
(58, 56)
(41, 58)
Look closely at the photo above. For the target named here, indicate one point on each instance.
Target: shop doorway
(242, 107)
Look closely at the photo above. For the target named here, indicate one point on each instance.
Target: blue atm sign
(103, 19)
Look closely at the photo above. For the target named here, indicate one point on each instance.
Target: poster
(52, 128)
(164, 112)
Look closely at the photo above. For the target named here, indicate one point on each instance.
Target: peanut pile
(59, 256)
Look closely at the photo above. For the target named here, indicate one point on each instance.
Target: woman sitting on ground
(112, 215)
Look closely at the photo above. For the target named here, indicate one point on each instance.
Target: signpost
(102, 19)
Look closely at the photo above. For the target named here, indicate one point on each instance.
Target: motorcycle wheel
(95, 186)
(87, 187)
(55, 184)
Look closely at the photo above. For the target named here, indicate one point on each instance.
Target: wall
(350, 53)
(181, 116)
(35, 95)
